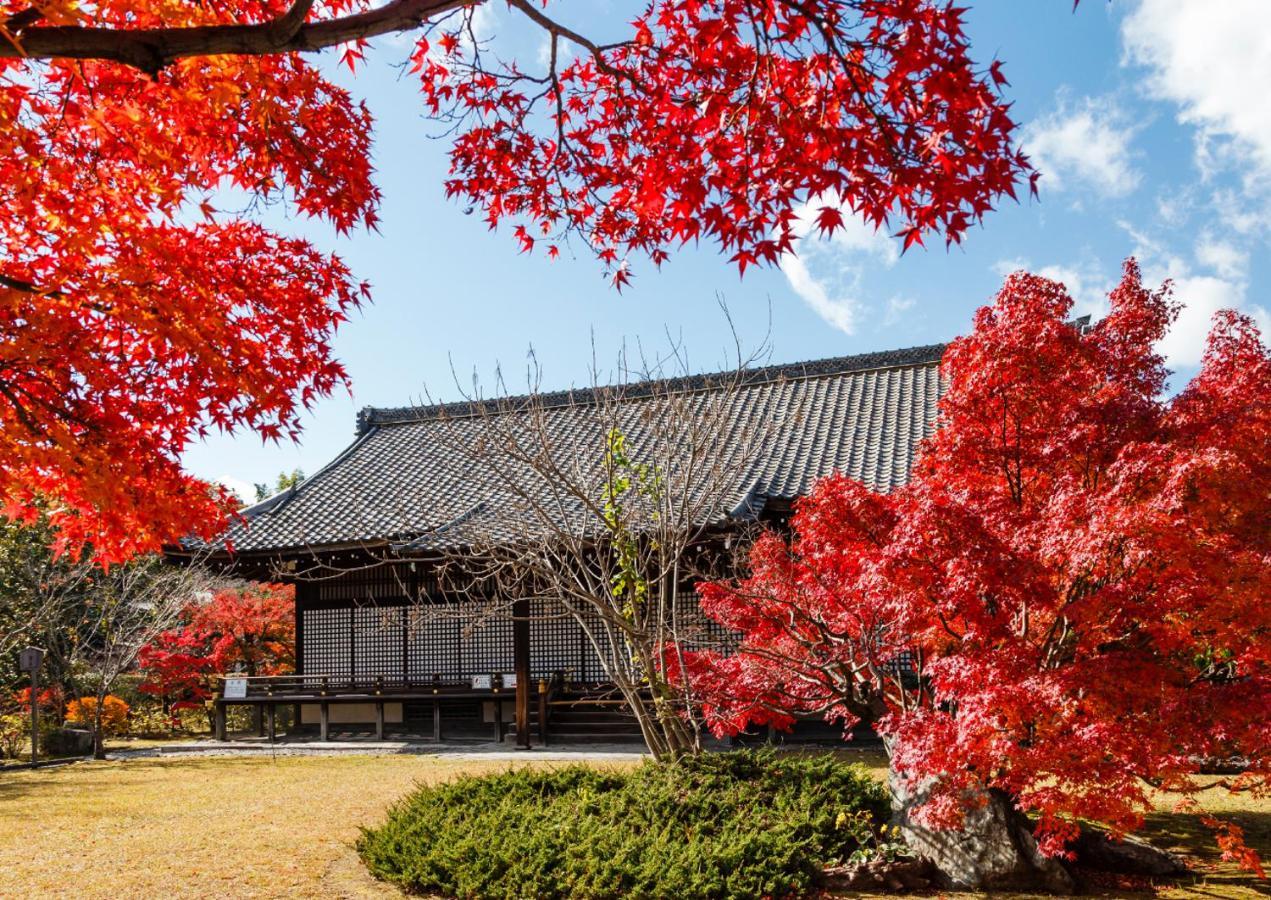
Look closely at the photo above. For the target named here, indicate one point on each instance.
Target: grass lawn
(262, 827)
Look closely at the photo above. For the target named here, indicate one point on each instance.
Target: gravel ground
(452, 750)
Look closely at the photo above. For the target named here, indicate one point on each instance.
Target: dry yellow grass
(202, 827)
(260, 827)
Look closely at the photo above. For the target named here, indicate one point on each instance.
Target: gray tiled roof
(863, 415)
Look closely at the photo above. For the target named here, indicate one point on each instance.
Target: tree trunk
(994, 849)
(99, 743)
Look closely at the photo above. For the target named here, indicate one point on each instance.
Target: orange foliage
(114, 713)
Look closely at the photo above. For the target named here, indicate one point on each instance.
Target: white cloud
(1221, 256)
(826, 273)
(564, 51)
(1236, 213)
(1088, 143)
(1086, 283)
(1212, 59)
(856, 235)
(1201, 296)
(896, 309)
(246, 492)
(839, 310)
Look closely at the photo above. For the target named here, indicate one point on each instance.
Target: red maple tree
(134, 316)
(1066, 605)
(250, 629)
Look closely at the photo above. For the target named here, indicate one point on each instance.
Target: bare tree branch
(612, 500)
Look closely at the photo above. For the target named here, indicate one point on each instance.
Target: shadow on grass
(1185, 835)
(87, 774)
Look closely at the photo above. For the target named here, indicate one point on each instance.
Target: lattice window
(556, 641)
(903, 664)
(377, 642)
(326, 641)
(486, 638)
(559, 644)
(592, 668)
(433, 642)
(698, 631)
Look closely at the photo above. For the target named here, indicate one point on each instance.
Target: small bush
(125, 687)
(13, 734)
(743, 824)
(114, 713)
(150, 720)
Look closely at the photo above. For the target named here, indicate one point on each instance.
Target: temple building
(382, 647)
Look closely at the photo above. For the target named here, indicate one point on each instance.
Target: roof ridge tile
(373, 416)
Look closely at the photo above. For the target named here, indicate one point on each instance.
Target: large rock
(994, 850)
(1095, 849)
(66, 742)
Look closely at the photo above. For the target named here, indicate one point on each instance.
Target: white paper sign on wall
(509, 680)
(235, 689)
(481, 682)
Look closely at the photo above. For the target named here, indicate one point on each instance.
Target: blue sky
(1151, 120)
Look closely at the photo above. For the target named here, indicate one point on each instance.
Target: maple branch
(557, 30)
(26, 287)
(152, 49)
(20, 20)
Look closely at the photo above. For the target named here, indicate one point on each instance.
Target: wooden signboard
(235, 689)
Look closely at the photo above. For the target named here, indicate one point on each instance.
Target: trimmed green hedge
(744, 824)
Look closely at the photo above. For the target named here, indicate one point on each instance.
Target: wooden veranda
(323, 691)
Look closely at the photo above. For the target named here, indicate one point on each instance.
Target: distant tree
(135, 316)
(91, 619)
(244, 628)
(179, 667)
(128, 606)
(42, 597)
(284, 481)
(1065, 609)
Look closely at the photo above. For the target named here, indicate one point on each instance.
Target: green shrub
(14, 729)
(149, 720)
(126, 688)
(745, 824)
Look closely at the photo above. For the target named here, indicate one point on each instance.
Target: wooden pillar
(379, 720)
(498, 718)
(542, 711)
(436, 719)
(295, 719)
(218, 718)
(521, 662)
(324, 720)
(271, 721)
(258, 719)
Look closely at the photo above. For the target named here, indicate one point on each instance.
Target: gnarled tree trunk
(993, 850)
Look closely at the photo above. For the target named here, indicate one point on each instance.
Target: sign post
(29, 660)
